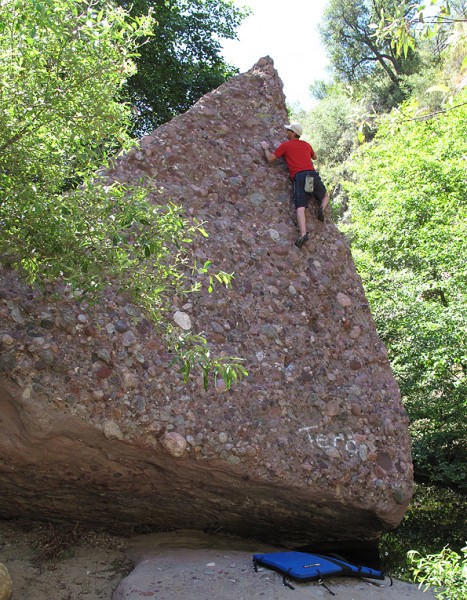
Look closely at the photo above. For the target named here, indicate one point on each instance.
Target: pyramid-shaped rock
(312, 446)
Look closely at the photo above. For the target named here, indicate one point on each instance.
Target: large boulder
(97, 426)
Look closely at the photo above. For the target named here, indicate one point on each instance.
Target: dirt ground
(66, 563)
(61, 563)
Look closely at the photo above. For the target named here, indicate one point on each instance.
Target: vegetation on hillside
(408, 226)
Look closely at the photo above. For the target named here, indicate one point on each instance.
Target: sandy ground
(53, 563)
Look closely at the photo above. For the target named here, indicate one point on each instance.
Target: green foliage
(193, 351)
(456, 53)
(62, 67)
(446, 571)
(356, 55)
(181, 61)
(408, 22)
(435, 518)
(408, 230)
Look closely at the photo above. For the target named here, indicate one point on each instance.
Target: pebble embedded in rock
(174, 443)
(183, 320)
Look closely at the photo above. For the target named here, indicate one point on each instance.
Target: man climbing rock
(299, 156)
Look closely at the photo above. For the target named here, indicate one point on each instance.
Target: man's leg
(301, 202)
(325, 201)
(304, 237)
(321, 194)
(301, 218)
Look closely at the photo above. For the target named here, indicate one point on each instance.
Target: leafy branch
(413, 20)
(446, 571)
(193, 351)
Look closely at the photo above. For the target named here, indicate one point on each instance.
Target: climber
(298, 156)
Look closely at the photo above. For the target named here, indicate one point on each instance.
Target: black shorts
(301, 197)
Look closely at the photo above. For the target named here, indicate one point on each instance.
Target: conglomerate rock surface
(96, 426)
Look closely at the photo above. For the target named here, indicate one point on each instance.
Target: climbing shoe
(321, 214)
(301, 240)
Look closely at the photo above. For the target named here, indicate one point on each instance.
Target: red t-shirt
(297, 154)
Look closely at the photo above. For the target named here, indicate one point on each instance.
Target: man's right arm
(270, 157)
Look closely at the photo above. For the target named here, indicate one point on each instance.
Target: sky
(287, 32)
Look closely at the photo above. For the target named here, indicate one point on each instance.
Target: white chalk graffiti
(341, 441)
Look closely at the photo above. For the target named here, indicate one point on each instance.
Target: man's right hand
(264, 145)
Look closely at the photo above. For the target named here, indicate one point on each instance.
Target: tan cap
(296, 128)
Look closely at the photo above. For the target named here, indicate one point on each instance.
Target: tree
(62, 66)
(406, 23)
(408, 229)
(356, 54)
(181, 61)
